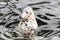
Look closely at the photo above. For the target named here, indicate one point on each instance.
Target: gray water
(47, 13)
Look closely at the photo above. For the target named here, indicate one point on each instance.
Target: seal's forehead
(28, 9)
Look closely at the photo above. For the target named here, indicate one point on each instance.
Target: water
(48, 19)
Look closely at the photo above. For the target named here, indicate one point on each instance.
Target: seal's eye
(26, 12)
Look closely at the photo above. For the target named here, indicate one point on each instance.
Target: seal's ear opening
(26, 12)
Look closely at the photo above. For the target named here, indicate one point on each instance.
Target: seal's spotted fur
(28, 23)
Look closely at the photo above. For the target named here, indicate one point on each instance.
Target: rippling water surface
(47, 14)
